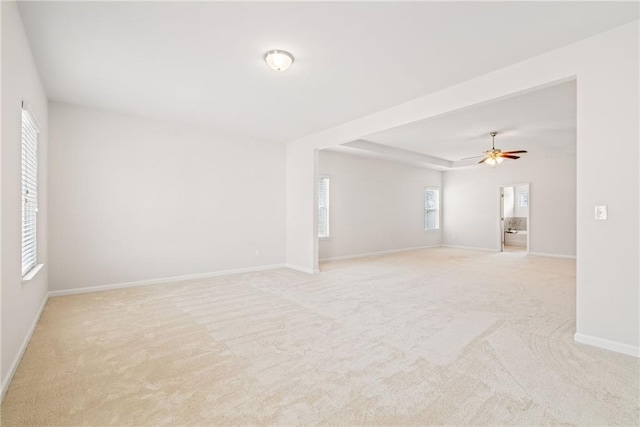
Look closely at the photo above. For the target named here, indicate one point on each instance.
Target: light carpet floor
(435, 336)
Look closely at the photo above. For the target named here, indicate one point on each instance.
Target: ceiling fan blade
(509, 156)
(483, 160)
(472, 157)
(514, 152)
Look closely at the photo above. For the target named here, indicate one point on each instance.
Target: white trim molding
(302, 269)
(368, 254)
(552, 255)
(16, 362)
(27, 107)
(31, 274)
(470, 248)
(101, 288)
(618, 347)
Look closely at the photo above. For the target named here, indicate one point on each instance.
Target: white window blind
(431, 209)
(323, 206)
(29, 191)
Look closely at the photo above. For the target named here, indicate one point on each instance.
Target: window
(29, 191)
(323, 206)
(431, 209)
(523, 199)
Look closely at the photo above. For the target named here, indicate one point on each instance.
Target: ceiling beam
(397, 154)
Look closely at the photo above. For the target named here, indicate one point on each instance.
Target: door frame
(501, 214)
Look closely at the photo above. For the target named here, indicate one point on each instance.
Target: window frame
(437, 209)
(523, 199)
(327, 207)
(29, 174)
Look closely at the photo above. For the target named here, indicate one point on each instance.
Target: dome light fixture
(278, 60)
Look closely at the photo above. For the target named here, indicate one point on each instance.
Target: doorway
(514, 218)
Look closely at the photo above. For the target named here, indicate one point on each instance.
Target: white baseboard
(14, 366)
(368, 254)
(552, 255)
(302, 269)
(148, 282)
(470, 248)
(618, 347)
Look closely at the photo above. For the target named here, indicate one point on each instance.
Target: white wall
(608, 300)
(471, 206)
(607, 73)
(137, 199)
(375, 205)
(20, 302)
(302, 226)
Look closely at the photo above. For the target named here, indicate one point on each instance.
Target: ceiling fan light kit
(495, 156)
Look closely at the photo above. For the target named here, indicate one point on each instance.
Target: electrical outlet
(601, 212)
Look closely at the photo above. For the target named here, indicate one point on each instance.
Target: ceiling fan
(495, 155)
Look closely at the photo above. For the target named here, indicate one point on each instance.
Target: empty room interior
(320, 213)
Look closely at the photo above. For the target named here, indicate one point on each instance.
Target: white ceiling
(537, 121)
(203, 62)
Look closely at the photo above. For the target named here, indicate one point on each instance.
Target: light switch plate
(601, 212)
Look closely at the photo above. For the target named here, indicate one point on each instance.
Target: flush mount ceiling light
(278, 60)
